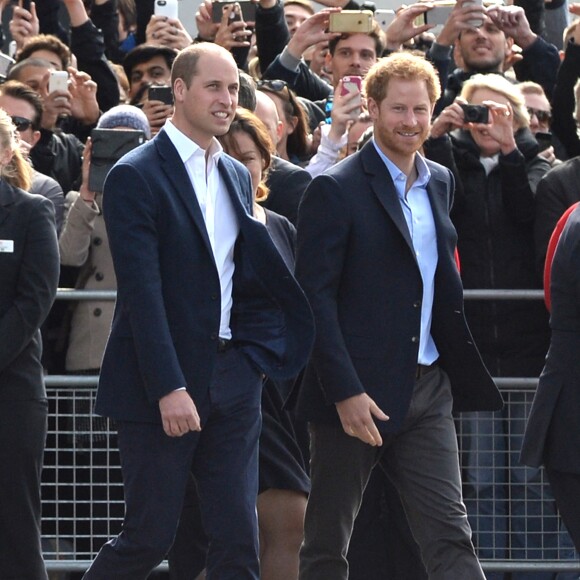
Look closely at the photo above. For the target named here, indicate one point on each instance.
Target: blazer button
(415, 339)
(214, 336)
(214, 297)
(417, 304)
(97, 312)
(99, 277)
(97, 241)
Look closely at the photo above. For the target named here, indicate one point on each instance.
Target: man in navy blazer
(393, 354)
(205, 305)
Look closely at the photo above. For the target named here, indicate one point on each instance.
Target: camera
(475, 114)
(247, 7)
(163, 94)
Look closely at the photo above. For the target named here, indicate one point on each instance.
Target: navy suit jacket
(166, 323)
(552, 434)
(356, 263)
(29, 272)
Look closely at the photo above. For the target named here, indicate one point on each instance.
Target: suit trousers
(423, 463)
(223, 458)
(23, 427)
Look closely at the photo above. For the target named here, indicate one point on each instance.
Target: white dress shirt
(217, 210)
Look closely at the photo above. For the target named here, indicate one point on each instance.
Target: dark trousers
(23, 427)
(566, 489)
(422, 462)
(223, 457)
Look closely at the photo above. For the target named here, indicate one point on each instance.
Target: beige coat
(83, 243)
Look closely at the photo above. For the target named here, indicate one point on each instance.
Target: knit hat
(126, 116)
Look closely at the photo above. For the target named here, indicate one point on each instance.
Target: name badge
(6, 246)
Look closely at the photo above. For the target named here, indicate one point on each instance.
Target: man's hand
(85, 107)
(345, 109)
(179, 414)
(463, 14)
(403, 28)
(157, 113)
(356, 415)
(169, 32)
(23, 24)
(512, 20)
(312, 31)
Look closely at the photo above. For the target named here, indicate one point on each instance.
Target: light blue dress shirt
(419, 217)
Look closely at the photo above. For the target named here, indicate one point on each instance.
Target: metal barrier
(83, 496)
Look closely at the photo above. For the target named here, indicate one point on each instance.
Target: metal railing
(83, 495)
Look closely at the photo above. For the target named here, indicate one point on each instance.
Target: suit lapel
(384, 188)
(177, 174)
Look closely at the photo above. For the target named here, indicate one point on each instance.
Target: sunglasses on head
(275, 86)
(21, 123)
(542, 116)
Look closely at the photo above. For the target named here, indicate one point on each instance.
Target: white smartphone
(168, 8)
(58, 81)
(384, 17)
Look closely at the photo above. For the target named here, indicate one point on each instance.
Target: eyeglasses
(542, 116)
(21, 123)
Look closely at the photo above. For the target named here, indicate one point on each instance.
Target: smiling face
(206, 108)
(488, 146)
(402, 119)
(483, 49)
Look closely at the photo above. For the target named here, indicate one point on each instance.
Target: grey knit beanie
(126, 116)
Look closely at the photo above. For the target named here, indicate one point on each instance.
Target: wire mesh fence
(511, 509)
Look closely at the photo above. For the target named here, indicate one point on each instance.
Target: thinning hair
(185, 64)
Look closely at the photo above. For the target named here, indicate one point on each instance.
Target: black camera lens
(475, 113)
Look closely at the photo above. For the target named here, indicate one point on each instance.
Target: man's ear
(279, 132)
(328, 62)
(35, 138)
(373, 108)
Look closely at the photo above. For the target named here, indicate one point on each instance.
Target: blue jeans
(511, 510)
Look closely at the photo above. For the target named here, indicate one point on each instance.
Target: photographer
(495, 158)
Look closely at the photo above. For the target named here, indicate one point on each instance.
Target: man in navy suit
(205, 305)
(393, 354)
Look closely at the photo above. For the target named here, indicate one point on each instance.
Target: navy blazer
(166, 322)
(29, 269)
(356, 263)
(552, 434)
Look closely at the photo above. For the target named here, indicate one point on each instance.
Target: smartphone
(58, 81)
(439, 14)
(384, 17)
(352, 84)
(351, 21)
(107, 147)
(6, 63)
(476, 22)
(247, 7)
(163, 94)
(167, 8)
(544, 140)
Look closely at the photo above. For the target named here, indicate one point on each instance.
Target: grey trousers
(422, 461)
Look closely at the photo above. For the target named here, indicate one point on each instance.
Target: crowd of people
(289, 248)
